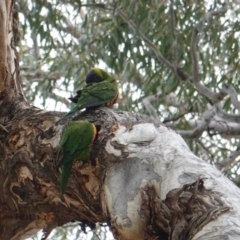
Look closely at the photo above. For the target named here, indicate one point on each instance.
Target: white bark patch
(111, 150)
(160, 156)
(145, 132)
(24, 173)
(122, 194)
(138, 134)
(30, 229)
(42, 222)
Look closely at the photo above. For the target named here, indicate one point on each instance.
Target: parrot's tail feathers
(65, 159)
(66, 170)
(93, 103)
(69, 114)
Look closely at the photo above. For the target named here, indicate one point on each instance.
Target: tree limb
(194, 41)
(58, 98)
(9, 65)
(224, 116)
(201, 125)
(221, 127)
(151, 110)
(218, 11)
(3, 44)
(176, 70)
(174, 38)
(230, 90)
(151, 45)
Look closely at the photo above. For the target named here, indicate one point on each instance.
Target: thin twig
(152, 46)
(219, 11)
(97, 5)
(174, 38)
(206, 149)
(3, 128)
(36, 50)
(216, 97)
(226, 163)
(176, 118)
(59, 98)
(194, 55)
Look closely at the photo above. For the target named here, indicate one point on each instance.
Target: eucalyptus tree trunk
(142, 178)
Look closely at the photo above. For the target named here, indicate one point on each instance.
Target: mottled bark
(142, 180)
(161, 190)
(29, 178)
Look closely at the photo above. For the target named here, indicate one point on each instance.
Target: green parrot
(96, 75)
(75, 144)
(96, 93)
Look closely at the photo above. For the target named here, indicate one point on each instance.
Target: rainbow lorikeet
(75, 145)
(101, 90)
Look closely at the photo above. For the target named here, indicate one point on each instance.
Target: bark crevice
(29, 177)
(183, 213)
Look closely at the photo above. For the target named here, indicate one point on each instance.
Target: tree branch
(233, 95)
(219, 11)
(201, 125)
(226, 163)
(176, 118)
(151, 110)
(96, 5)
(194, 55)
(9, 65)
(175, 69)
(38, 75)
(152, 46)
(3, 45)
(59, 98)
(223, 128)
(174, 38)
(224, 116)
(36, 50)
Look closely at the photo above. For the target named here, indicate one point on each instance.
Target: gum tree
(142, 180)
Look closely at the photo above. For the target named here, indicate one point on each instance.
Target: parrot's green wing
(76, 138)
(75, 145)
(96, 95)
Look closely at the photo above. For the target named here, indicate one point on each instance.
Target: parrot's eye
(92, 77)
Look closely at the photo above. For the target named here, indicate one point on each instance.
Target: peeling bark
(29, 178)
(160, 190)
(142, 180)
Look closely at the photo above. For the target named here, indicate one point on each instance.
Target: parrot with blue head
(101, 90)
